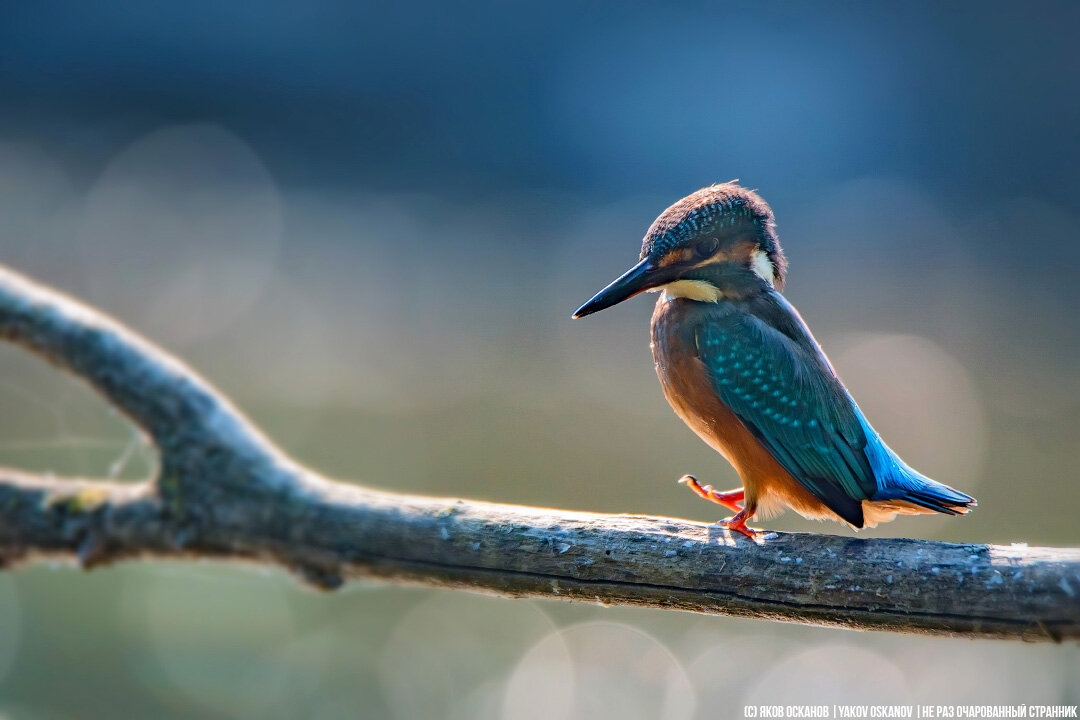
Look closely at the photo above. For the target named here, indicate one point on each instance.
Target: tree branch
(224, 491)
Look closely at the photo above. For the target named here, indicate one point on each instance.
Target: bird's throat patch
(700, 290)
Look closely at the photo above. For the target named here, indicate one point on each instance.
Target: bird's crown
(716, 209)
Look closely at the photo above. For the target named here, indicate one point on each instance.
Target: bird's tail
(913, 487)
(897, 481)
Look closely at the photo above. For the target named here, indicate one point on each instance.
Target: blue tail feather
(913, 487)
(898, 481)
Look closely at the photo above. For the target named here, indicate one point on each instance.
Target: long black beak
(643, 276)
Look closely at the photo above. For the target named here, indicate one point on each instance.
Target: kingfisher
(739, 365)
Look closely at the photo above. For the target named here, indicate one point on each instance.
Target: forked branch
(224, 491)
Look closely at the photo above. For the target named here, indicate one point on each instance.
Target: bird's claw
(738, 524)
(729, 499)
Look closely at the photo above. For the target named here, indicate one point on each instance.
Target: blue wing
(766, 366)
(791, 400)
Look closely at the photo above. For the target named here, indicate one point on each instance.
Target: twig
(224, 491)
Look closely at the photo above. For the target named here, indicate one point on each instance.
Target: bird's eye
(706, 247)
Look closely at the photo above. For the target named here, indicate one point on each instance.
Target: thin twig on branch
(224, 491)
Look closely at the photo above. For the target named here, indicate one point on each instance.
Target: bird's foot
(738, 524)
(728, 499)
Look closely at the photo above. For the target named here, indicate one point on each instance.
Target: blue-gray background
(369, 224)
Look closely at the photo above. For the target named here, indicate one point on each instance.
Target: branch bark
(224, 491)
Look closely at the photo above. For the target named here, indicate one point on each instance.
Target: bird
(740, 367)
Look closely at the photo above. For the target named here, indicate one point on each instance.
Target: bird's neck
(714, 283)
(698, 290)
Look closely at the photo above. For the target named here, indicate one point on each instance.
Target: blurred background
(369, 224)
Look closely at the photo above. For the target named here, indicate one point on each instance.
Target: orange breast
(686, 385)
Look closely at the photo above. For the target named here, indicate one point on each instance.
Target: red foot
(738, 523)
(727, 499)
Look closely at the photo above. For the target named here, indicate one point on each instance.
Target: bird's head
(718, 241)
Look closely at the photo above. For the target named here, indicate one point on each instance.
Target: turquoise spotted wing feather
(787, 395)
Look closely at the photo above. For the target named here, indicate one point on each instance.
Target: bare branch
(224, 491)
(160, 394)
